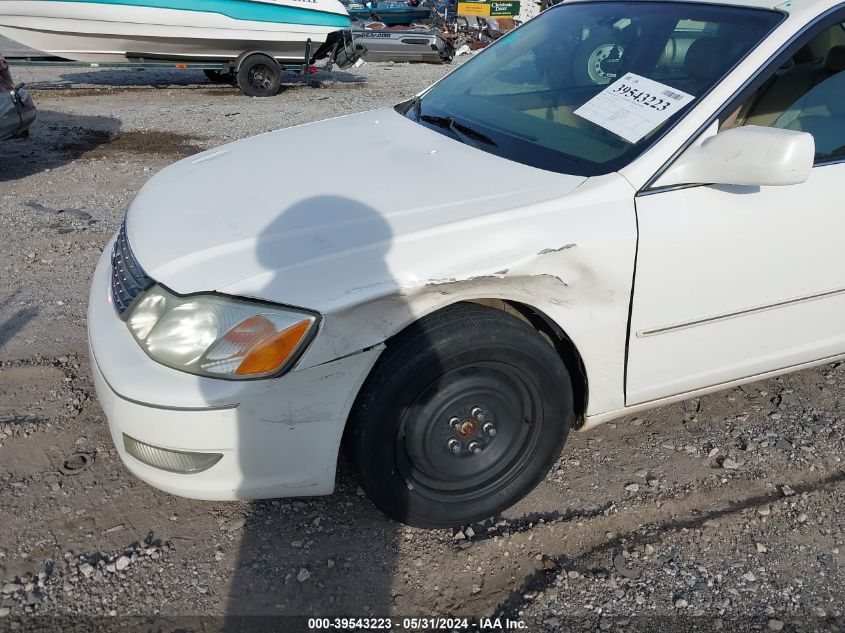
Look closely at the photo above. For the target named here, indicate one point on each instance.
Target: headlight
(217, 336)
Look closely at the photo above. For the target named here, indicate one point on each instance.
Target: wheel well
(558, 338)
(236, 65)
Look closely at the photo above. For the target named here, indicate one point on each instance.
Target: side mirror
(750, 155)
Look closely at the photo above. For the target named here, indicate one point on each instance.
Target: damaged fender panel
(571, 258)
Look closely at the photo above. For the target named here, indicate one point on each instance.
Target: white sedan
(616, 206)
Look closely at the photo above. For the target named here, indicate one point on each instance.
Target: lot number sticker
(633, 106)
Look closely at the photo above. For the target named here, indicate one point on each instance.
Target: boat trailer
(256, 73)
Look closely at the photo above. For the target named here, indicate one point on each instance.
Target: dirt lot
(724, 512)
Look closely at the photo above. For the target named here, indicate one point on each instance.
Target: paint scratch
(565, 247)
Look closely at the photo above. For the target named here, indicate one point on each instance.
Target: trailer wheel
(219, 77)
(259, 76)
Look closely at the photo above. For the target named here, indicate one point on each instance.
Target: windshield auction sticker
(633, 106)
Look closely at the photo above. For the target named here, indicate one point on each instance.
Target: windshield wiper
(458, 129)
(447, 122)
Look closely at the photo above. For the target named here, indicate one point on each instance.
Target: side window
(807, 94)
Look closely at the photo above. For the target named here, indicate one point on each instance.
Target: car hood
(306, 215)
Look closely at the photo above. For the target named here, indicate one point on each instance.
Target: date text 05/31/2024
(416, 624)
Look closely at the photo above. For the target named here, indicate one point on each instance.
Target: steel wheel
(466, 435)
(598, 60)
(601, 66)
(259, 76)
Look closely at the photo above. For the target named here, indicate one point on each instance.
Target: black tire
(260, 76)
(421, 396)
(219, 77)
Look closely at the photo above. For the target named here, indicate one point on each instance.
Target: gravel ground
(724, 512)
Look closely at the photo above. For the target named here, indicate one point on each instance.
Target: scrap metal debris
(77, 463)
(414, 31)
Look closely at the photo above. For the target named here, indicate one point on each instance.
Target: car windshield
(584, 88)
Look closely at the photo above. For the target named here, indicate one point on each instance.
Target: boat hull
(107, 32)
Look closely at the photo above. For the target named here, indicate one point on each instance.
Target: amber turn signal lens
(271, 353)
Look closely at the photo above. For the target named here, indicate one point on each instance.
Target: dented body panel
(385, 256)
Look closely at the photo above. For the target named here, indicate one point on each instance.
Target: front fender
(571, 258)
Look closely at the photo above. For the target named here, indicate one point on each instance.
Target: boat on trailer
(251, 33)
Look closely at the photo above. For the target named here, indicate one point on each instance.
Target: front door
(736, 281)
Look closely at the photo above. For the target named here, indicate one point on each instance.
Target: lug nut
(455, 423)
(478, 414)
(474, 448)
(454, 446)
(490, 429)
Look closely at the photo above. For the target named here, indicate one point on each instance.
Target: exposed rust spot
(467, 428)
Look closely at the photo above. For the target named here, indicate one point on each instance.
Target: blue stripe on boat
(238, 10)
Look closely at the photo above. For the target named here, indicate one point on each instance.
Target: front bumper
(278, 437)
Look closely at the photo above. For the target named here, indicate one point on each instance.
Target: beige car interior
(807, 94)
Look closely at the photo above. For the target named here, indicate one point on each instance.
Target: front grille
(128, 279)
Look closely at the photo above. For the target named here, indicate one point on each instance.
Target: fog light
(171, 461)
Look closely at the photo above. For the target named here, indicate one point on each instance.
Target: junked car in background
(17, 111)
(626, 204)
